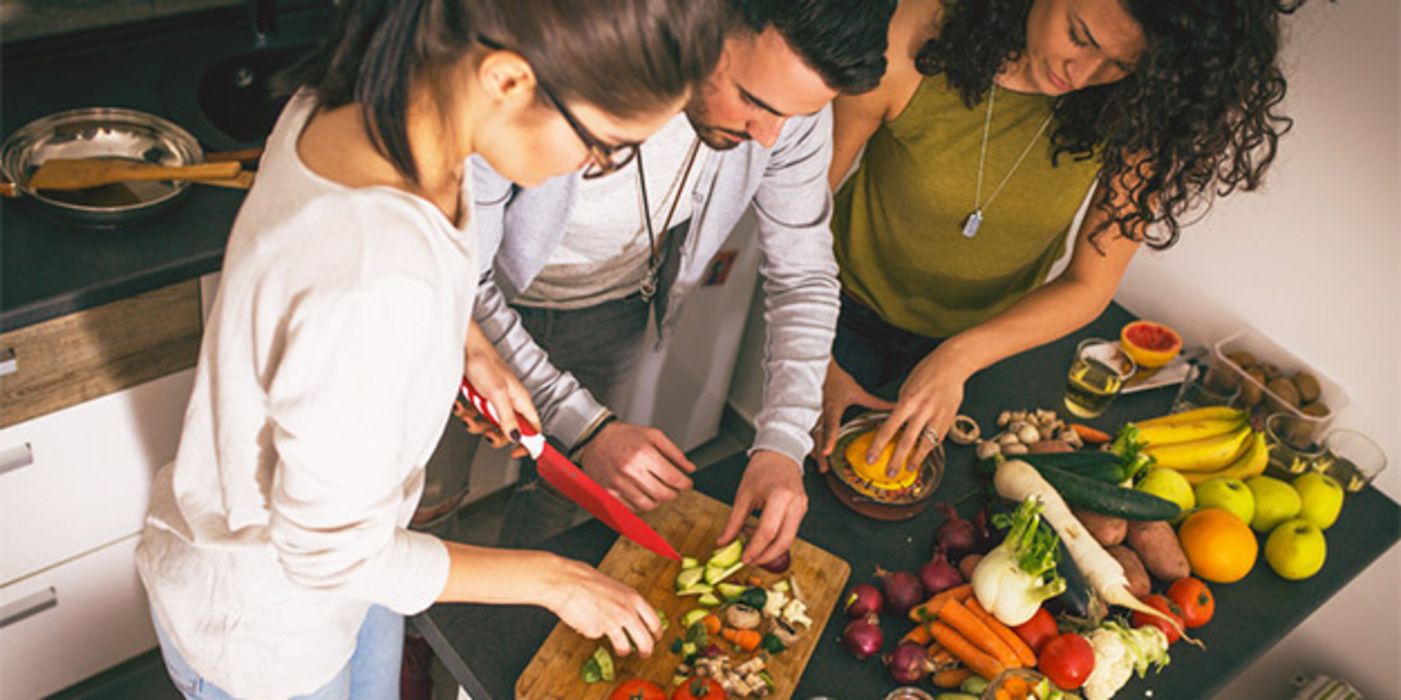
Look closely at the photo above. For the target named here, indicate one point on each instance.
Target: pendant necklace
(974, 220)
(648, 288)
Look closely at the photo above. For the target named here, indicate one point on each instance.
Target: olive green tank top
(898, 221)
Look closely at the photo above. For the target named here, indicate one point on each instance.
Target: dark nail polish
(515, 435)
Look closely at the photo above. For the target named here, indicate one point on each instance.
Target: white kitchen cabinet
(80, 478)
(68, 622)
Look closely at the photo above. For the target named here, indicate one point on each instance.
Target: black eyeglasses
(604, 159)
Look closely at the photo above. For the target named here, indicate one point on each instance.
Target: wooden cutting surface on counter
(691, 523)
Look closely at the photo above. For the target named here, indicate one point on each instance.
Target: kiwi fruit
(1285, 391)
(1242, 358)
(1308, 387)
(1251, 393)
(1317, 409)
(1271, 371)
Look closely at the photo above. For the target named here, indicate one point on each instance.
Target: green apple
(1169, 485)
(1230, 495)
(1322, 497)
(1296, 549)
(1275, 502)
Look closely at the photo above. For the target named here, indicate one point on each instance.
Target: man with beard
(590, 255)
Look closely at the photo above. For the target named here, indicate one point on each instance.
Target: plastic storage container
(1226, 373)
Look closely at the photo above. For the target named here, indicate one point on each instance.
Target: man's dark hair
(843, 40)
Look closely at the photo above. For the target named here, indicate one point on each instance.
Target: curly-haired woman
(993, 121)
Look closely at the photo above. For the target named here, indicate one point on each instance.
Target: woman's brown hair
(626, 57)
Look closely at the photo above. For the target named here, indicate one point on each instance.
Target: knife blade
(571, 481)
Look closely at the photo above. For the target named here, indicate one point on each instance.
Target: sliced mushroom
(965, 430)
(742, 617)
(1008, 438)
(784, 632)
(1015, 449)
(1004, 418)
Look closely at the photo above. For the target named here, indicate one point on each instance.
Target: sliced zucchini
(693, 617)
(689, 577)
(709, 600)
(729, 591)
(726, 556)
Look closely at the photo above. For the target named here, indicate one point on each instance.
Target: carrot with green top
(929, 609)
(957, 616)
(976, 659)
(1010, 638)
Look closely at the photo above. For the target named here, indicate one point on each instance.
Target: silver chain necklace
(648, 287)
(974, 220)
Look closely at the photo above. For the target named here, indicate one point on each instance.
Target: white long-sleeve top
(327, 370)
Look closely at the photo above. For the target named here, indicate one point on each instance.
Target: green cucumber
(1095, 464)
(693, 617)
(730, 591)
(689, 577)
(709, 600)
(727, 556)
(1083, 492)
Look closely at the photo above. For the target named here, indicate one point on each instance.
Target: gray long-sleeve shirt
(786, 184)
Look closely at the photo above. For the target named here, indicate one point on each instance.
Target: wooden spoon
(80, 173)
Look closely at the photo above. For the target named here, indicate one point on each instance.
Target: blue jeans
(371, 674)
(876, 354)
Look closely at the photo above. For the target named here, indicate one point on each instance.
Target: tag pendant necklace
(974, 220)
(648, 288)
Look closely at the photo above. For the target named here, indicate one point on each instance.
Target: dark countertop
(49, 266)
(486, 647)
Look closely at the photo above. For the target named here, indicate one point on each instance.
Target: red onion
(778, 564)
(938, 574)
(983, 532)
(863, 637)
(902, 589)
(957, 536)
(908, 663)
(863, 599)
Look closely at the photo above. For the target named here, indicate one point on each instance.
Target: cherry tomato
(1041, 628)
(1167, 607)
(638, 689)
(1067, 660)
(697, 688)
(1195, 600)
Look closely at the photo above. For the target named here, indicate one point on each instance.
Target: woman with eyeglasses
(994, 121)
(276, 554)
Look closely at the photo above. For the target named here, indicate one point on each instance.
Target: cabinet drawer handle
(8, 364)
(28, 606)
(15, 457)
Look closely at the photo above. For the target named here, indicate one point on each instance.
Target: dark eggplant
(1078, 600)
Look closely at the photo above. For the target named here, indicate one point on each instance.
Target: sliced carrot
(919, 635)
(1090, 435)
(1023, 652)
(929, 609)
(976, 659)
(958, 616)
(939, 655)
(747, 640)
(712, 624)
(951, 677)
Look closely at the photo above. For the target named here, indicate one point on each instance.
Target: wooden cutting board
(691, 523)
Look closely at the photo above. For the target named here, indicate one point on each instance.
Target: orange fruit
(1219, 545)
(874, 472)
(1150, 344)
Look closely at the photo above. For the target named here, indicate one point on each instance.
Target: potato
(967, 564)
(1139, 585)
(1106, 529)
(1159, 549)
(1047, 446)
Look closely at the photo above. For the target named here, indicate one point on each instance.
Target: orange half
(874, 472)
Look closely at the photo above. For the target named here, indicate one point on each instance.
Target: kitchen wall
(1314, 262)
(29, 19)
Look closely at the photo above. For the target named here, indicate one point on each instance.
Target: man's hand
(638, 464)
(772, 483)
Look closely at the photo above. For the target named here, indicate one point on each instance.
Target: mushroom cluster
(1032, 430)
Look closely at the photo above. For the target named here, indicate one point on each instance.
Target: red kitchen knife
(574, 483)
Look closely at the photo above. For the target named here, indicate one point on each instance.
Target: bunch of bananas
(1205, 443)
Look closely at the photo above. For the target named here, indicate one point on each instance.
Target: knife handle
(531, 439)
